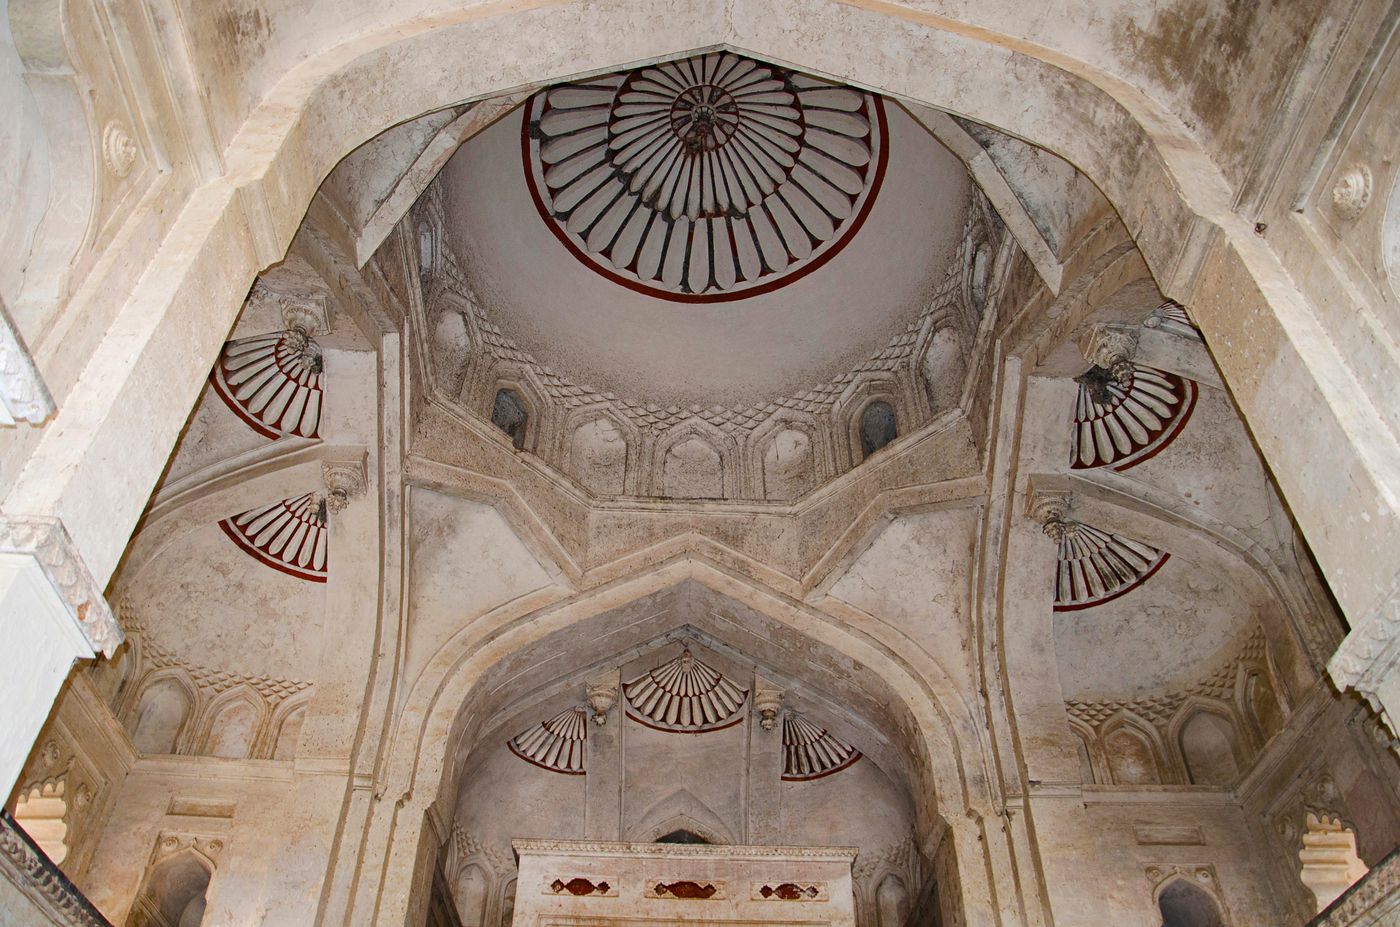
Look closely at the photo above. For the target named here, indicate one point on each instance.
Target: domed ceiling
(714, 230)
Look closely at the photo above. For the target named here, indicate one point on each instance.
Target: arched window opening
(1185, 905)
(891, 902)
(175, 894)
(510, 414)
(877, 427)
(1208, 746)
(40, 811)
(681, 835)
(1330, 863)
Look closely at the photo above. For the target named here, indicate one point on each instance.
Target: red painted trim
(263, 558)
(757, 290)
(217, 378)
(1077, 606)
(738, 716)
(534, 762)
(1152, 450)
(822, 775)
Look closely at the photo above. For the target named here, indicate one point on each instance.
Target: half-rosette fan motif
(289, 535)
(810, 752)
(1096, 567)
(556, 744)
(1121, 421)
(704, 179)
(686, 695)
(273, 382)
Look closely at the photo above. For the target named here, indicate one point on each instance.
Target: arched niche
(1209, 745)
(877, 427)
(1131, 755)
(287, 730)
(160, 716)
(175, 892)
(1263, 705)
(789, 465)
(508, 903)
(691, 468)
(891, 902)
(472, 890)
(1183, 904)
(233, 727)
(511, 414)
(944, 367)
(598, 456)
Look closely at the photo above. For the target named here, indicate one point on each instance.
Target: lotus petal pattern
(289, 536)
(809, 752)
(556, 744)
(685, 694)
(704, 179)
(273, 383)
(1121, 426)
(1096, 567)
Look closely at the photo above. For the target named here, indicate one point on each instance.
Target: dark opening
(1185, 905)
(509, 414)
(682, 836)
(877, 427)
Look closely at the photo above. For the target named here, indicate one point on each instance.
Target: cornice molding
(47, 541)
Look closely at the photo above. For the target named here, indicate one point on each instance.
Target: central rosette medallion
(704, 179)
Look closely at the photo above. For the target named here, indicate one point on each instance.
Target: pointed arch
(1133, 751)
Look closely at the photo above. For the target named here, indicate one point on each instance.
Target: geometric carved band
(29, 870)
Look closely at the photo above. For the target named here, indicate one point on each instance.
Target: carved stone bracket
(346, 477)
(1050, 507)
(23, 394)
(46, 540)
(767, 702)
(1368, 660)
(602, 695)
(1111, 347)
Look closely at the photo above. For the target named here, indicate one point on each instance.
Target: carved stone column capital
(346, 477)
(46, 540)
(23, 394)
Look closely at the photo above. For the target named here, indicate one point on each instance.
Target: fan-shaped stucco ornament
(273, 382)
(809, 752)
(706, 179)
(1123, 418)
(556, 744)
(685, 694)
(1096, 567)
(289, 535)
